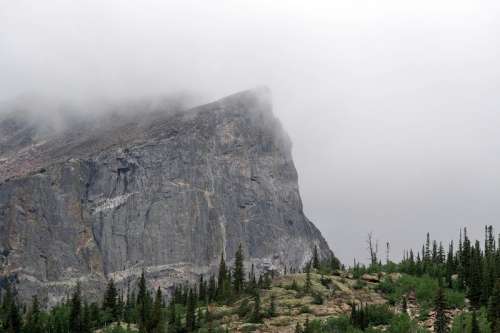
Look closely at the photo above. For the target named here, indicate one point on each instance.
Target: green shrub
(464, 320)
(117, 329)
(359, 284)
(305, 309)
(425, 288)
(244, 309)
(403, 324)
(317, 299)
(378, 314)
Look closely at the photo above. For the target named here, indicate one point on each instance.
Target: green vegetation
(426, 290)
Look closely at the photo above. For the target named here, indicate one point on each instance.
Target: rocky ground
(338, 294)
(294, 306)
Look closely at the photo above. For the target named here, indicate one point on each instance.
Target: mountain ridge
(164, 193)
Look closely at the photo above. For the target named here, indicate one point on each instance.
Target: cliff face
(164, 192)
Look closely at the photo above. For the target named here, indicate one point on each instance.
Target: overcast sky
(393, 106)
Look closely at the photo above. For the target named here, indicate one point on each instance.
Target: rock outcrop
(166, 193)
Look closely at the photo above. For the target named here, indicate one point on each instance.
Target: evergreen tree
(191, 312)
(171, 314)
(315, 258)
(202, 289)
(110, 304)
(156, 323)
(239, 272)
(475, 277)
(76, 314)
(441, 321)
(494, 308)
(474, 323)
(86, 319)
(450, 266)
(252, 282)
(14, 321)
(308, 283)
(129, 308)
(199, 317)
(256, 316)
(143, 305)
(33, 319)
(272, 306)
(222, 279)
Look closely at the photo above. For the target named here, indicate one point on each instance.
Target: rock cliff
(164, 192)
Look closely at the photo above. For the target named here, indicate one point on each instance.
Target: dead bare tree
(372, 248)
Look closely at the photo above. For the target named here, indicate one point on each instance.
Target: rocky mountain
(164, 192)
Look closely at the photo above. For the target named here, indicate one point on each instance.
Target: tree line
(186, 310)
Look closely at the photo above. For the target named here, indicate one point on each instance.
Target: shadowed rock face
(164, 192)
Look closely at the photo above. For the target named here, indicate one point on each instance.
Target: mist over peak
(392, 106)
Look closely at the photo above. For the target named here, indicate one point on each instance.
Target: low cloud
(392, 106)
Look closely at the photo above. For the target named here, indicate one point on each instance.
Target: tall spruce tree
(308, 283)
(239, 272)
(222, 280)
(191, 312)
(474, 324)
(156, 323)
(143, 305)
(441, 321)
(494, 308)
(315, 258)
(475, 277)
(256, 316)
(76, 313)
(110, 302)
(33, 319)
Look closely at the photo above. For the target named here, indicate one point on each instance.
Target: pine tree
(75, 317)
(450, 266)
(427, 253)
(256, 316)
(191, 312)
(202, 289)
(474, 323)
(129, 307)
(494, 308)
(109, 304)
(171, 314)
(272, 306)
(475, 277)
(239, 272)
(441, 321)
(404, 305)
(252, 282)
(33, 321)
(315, 258)
(212, 289)
(86, 319)
(308, 283)
(156, 324)
(222, 279)
(14, 320)
(143, 305)
(199, 317)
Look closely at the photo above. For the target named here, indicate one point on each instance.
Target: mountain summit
(162, 192)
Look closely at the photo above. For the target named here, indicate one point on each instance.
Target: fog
(393, 107)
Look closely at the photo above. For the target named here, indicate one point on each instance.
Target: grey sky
(393, 106)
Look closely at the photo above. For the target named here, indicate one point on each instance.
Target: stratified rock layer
(164, 193)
